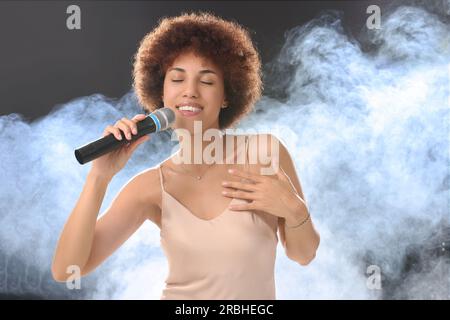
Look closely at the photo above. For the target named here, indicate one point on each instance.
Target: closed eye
(209, 83)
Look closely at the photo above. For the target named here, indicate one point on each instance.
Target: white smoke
(369, 137)
(373, 153)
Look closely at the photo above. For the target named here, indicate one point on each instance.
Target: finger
(243, 206)
(245, 175)
(131, 124)
(139, 117)
(239, 185)
(125, 128)
(106, 132)
(112, 130)
(239, 194)
(118, 133)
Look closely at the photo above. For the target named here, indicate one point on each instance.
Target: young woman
(218, 228)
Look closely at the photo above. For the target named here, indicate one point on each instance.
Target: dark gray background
(44, 64)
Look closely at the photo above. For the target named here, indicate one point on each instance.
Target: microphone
(157, 121)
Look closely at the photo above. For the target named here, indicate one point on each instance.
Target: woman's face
(194, 90)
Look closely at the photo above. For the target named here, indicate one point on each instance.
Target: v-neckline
(246, 142)
(194, 215)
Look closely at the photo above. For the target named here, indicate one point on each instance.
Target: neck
(197, 152)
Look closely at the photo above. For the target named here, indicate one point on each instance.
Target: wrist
(298, 214)
(99, 176)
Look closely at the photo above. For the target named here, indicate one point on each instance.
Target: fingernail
(119, 137)
(134, 131)
(224, 192)
(224, 183)
(230, 170)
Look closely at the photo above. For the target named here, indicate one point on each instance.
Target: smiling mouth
(189, 110)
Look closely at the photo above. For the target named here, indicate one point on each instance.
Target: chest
(202, 198)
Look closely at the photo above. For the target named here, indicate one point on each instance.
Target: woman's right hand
(111, 163)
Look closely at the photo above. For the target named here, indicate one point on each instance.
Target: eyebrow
(182, 70)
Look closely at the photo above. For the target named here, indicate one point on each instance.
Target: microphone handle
(109, 143)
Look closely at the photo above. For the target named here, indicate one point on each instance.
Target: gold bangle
(301, 223)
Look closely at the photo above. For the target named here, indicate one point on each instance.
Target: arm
(300, 243)
(86, 242)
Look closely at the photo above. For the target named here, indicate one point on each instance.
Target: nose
(190, 90)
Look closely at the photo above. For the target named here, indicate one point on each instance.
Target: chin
(188, 124)
(189, 127)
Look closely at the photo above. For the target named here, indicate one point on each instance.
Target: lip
(193, 104)
(185, 113)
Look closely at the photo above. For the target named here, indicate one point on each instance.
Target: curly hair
(226, 43)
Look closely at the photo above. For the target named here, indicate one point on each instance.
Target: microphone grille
(165, 116)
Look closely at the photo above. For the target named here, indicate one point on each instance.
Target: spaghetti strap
(161, 177)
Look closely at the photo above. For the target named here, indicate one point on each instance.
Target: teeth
(189, 108)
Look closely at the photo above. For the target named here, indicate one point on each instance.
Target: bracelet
(301, 223)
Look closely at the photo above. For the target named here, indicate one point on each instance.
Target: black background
(44, 64)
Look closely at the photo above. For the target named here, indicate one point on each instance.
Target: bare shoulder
(272, 148)
(264, 148)
(267, 142)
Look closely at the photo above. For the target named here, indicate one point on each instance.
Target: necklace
(196, 176)
(199, 177)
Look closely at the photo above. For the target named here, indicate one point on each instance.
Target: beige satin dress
(231, 256)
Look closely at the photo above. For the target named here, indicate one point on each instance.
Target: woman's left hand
(274, 195)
